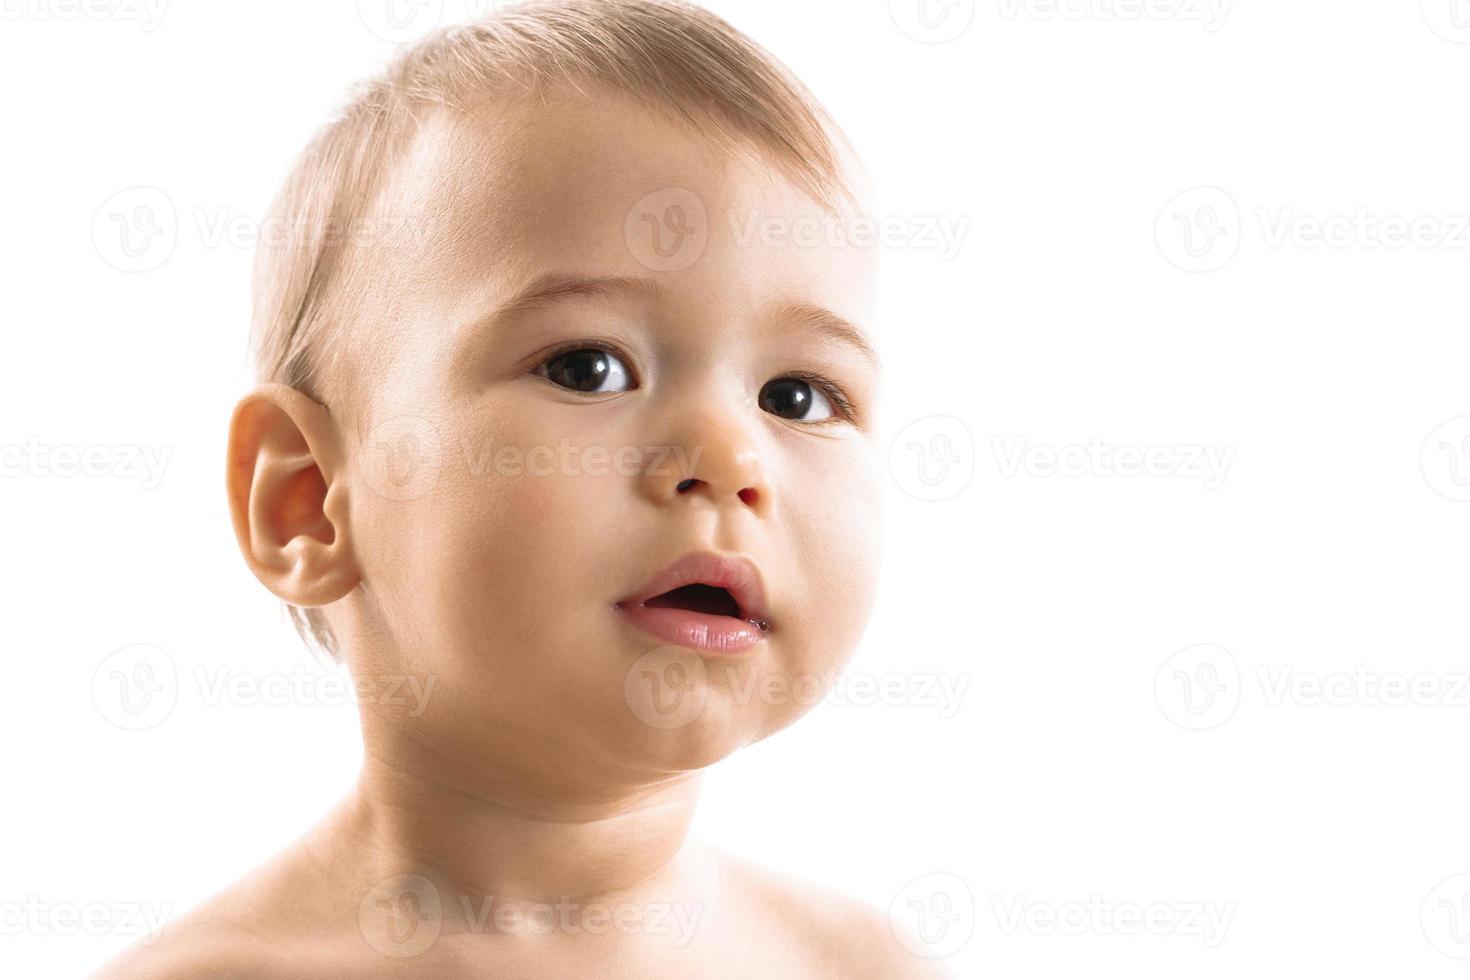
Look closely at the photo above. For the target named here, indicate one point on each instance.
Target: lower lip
(696, 631)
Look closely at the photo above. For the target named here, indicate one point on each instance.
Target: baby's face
(526, 476)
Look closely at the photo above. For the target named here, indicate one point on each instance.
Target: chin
(689, 741)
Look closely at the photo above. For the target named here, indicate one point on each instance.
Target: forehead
(604, 186)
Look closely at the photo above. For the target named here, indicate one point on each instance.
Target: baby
(565, 445)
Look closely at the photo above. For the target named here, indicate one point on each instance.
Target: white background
(1076, 768)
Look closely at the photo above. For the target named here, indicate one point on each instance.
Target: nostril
(748, 496)
(684, 485)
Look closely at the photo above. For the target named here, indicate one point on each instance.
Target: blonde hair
(667, 54)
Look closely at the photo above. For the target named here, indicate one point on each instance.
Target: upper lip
(736, 574)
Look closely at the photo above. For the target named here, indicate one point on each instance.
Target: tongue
(698, 598)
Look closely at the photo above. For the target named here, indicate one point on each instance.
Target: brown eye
(792, 398)
(588, 369)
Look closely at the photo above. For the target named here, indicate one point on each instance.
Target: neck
(480, 835)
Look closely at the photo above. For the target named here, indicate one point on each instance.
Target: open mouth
(714, 600)
(704, 602)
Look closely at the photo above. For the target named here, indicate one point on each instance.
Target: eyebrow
(553, 286)
(823, 321)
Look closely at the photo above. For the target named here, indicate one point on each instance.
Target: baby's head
(568, 295)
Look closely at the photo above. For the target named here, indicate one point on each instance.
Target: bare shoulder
(837, 935)
(249, 929)
(190, 947)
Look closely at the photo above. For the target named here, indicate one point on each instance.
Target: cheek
(834, 534)
(843, 513)
(534, 503)
(517, 545)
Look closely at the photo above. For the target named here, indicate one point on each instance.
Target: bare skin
(530, 818)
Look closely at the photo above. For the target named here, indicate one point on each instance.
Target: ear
(288, 500)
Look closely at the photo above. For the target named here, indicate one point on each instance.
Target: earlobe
(288, 496)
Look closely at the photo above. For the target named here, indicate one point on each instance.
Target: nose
(714, 460)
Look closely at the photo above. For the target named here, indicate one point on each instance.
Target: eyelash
(845, 408)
